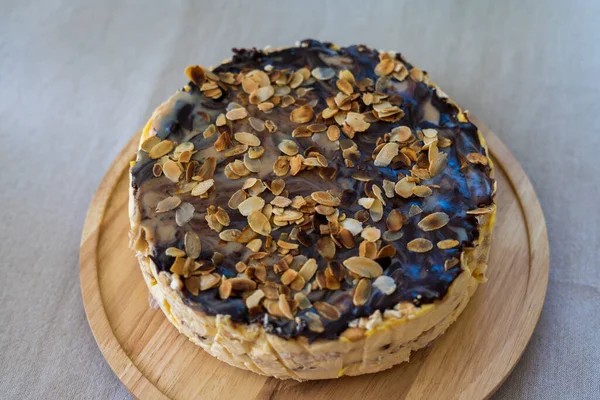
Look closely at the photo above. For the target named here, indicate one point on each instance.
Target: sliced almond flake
(325, 198)
(480, 211)
(242, 284)
(416, 74)
(195, 73)
(251, 204)
(401, 134)
(385, 284)
(247, 138)
(288, 147)
(261, 94)
(326, 247)
(323, 73)
(297, 79)
(362, 292)
(345, 86)
(266, 106)
(450, 263)
(385, 67)
(404, 188)
(149, 143)
(422, 191)
(327, 310)
(184, 214)
(157, 170)
(161, 149)
(252, 164)
(414, 210)
(419, 245)
(389, 236)
(357, 122)
(238, 168)
(387, 251)
(434, 221)
(302, 115)
(333, 133)
(172, 171)
(222, 216)
(314, 322)
(447, 244)
(366, 202)
(277, 186)
(388, 188)
(371, 234)
(376, 210)
(308, 269)
(477, 158)
(281, 201)
(386, 154)
(203, 187)
(168, 204)
(281, 166)
(192, 245)
(254, 245)
(256, 152)
(324, 210)
(254, 299)
(354, 226)
(259, 223)
(174, 252)
(236, 114)
(230, 235)
(394, 220)
(236, 199)
(363, 266)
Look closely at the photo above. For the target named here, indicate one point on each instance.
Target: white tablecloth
(77, 78)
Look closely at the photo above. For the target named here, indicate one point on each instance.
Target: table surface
(76, 80)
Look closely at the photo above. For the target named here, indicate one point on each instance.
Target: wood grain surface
(470, 361)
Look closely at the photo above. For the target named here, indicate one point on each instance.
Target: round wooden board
(470, 361)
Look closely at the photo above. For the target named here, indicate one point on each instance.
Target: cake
(311, 212)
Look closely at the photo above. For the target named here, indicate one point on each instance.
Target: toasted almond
(414, 210)
(195, 73)
(236, 114)
(371, 234)
(230, 235)
(357, 122)
(376, 210)
(236, 199)
(254, 299)
(327, 310)
(314, 322)
(326, 247)
(422, 191)
(416, 74)
(325, 198)
(308, 269)
(171, 171)
(261, 94)
(385, 67)
(178, 266)
(242, 284)
(353, 334)
(385, 284)
(303, 301)
(161, 149)
(252, 165)
(192, 284)
(323, 73)
(345, 86)
(254, 244)
(149, 143)
(388, 188)
(284, 306)
(259, 223)
(203, 187)
(362, 292)
(434, 221)
(452, 262)
(419, 245)
(363, 266)
(277, 186)
(251, 204)
(208, 281)
(168, 204)
(288, 147)
(225, 289)
(438, 165)
(401, 134)
(480, 211)
(477, 158)
(386, 154)
(192, 244)
(280, 201)
(174, 252)
(404, 188)
(288, 276)
(157, 170)
(394, 220)
(302, 115)
(184, 214)
(447, 244)
(247, 138)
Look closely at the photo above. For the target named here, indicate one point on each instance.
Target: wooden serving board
(470, 361)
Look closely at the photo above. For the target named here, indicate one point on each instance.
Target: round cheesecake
(311, 212)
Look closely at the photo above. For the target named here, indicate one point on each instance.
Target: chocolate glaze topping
(420, 277)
